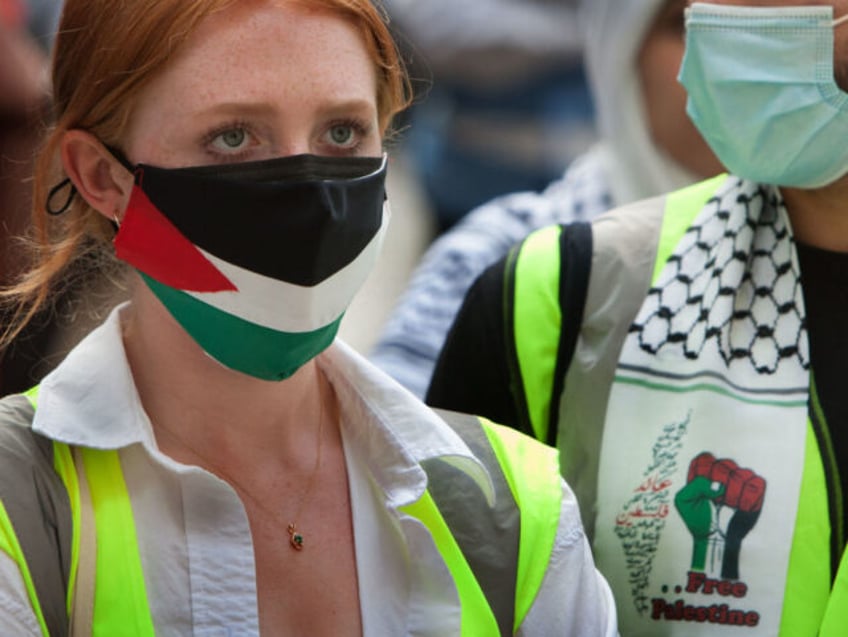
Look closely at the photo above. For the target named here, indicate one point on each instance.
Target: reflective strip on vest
(63, 463)
(9, 545)
(681, 208)
(809, 593)
(522, 523)
(835, 623)
(808, 575)
(532, 472)
(496, 588)
(36, 524)
(477, 615)
(538, 321)
(120, 595)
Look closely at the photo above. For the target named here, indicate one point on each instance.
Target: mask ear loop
(839, 21)
(118, 154)
(55, 190)
(72, 189)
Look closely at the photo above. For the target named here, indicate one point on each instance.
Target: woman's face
(260, 80)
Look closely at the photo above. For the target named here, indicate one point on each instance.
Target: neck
(203, 413)
(820, 217)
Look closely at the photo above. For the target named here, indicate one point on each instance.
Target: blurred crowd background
(502, 105)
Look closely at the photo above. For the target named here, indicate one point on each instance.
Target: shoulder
(552, 560)
(35, 512)
(18, 443)
(525, 479)
(16, 409)
(624, 247)
(628, 241)
(28, 466)
(630, 228)
(518, 456)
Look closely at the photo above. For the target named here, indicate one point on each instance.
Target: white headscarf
(615, 30)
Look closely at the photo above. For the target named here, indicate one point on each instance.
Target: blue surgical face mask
(762, 91)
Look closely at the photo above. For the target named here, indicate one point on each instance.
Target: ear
(98, 177)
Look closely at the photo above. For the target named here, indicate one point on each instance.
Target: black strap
(575, 264)
(575, 249)
(37, 503)
(65, 184)
(471, 375)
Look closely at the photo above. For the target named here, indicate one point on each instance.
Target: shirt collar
(387, 422)
(90, 400)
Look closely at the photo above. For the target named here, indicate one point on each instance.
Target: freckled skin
(261, 79)
(280, 73)
(665, 98)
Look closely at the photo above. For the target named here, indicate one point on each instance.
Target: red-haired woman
(209, 461)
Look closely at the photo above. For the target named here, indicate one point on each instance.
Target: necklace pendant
(295, 538)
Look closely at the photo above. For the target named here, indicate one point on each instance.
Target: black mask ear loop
(72, 189)
(72, 192)
(118, 154)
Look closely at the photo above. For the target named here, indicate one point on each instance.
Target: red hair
(105, 54)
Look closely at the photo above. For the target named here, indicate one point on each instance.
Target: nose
(293, 136)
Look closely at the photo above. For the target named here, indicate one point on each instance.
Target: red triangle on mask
(148, 241)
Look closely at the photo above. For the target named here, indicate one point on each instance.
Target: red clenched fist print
(743, 489)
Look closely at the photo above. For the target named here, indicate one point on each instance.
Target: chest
(312, 590)
(213, 562)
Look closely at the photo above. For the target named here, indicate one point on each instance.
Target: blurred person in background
(648, 146)
(23, 103)
(504, 102)
(26, 33)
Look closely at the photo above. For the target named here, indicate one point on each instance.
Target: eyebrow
(268, 108)
(236, 108)
(346, 105)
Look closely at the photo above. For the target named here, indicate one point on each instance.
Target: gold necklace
(295, 536)
(296, 539)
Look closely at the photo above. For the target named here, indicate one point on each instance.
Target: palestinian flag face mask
(257, 261)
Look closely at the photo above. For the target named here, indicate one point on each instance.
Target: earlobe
(98, 177)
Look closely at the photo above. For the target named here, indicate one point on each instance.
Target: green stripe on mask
(241, 345)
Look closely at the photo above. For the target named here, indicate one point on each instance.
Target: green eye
(341, 134)
(233, 138)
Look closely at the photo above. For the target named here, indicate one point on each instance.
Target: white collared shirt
(194, 536)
